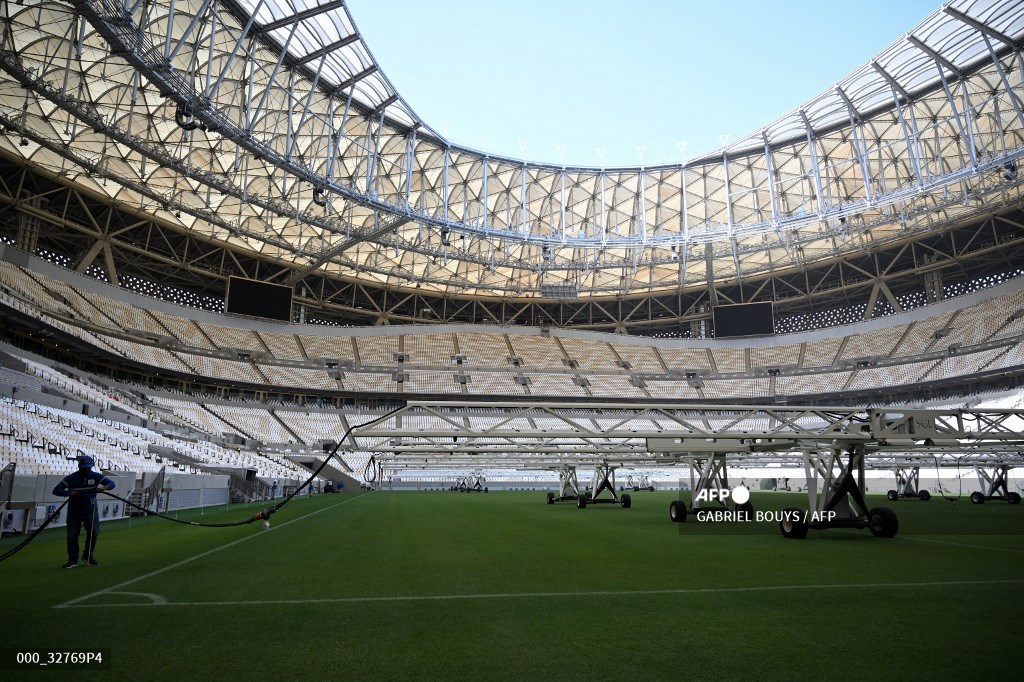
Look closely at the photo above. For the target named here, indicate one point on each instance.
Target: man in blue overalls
(82, 487)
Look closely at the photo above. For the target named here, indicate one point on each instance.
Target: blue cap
(85, 462)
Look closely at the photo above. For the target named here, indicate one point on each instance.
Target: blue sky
(649, 82)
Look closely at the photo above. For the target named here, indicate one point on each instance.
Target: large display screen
(744, 319)
(258, 299)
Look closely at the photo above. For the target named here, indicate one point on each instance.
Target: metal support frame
(994, 482)
(7, 485)
(604, 480)
(568, 486)
(553, 435)
(639, 481)
(908, 480)
(841, 503)
(706, 474)
(474, 483)
(171, 257)
(842, 484)
(709, 487)
(781, 483)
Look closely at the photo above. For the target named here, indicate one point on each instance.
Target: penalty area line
(75, 603)
(545, 595)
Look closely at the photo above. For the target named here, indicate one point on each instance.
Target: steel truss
(504, 434)
(224, 126)
(836, 446)
(83, 230)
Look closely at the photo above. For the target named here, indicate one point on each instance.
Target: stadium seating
(510, 362)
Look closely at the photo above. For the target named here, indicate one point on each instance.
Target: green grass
(331, 590)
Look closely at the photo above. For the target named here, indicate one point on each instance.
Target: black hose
(959, 481)
(32, 536)
(370, 470)
(261, 515)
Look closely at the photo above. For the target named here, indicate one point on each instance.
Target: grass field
(445, 585)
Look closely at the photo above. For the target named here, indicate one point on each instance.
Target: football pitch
(414, 585)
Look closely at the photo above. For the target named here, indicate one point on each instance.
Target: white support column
(444, 196)
(483, 192)
(771, 179)
(410, 159)
(812, 149)
(859, 145)
(561, 202)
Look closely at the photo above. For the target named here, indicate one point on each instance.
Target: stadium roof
(325, 32)
(269, 127)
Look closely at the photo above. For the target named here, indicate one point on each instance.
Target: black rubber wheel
(581, 502)
(621, 488)
(977, 498)
(626, 501)
(883, 522)
(590, 496)
(892, 495)
(651, 488)
(636, 488)
(551, 498)
(485, 490)
(677, 511)
(1013, 498)
(794, 523)
(745, 511)
(924, 495)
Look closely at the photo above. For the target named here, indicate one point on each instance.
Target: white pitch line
(75, 602)
(964, 544)
(530, 595)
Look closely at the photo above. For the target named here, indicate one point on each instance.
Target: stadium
(380, 405)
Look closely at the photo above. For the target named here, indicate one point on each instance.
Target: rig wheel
(924, 495)
(883, 522)
(551, 498)
(677, 511)
(1013, 498)
(892, 495)
(627, 501)
(977, 498)
(794, 523)
(581, 502)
